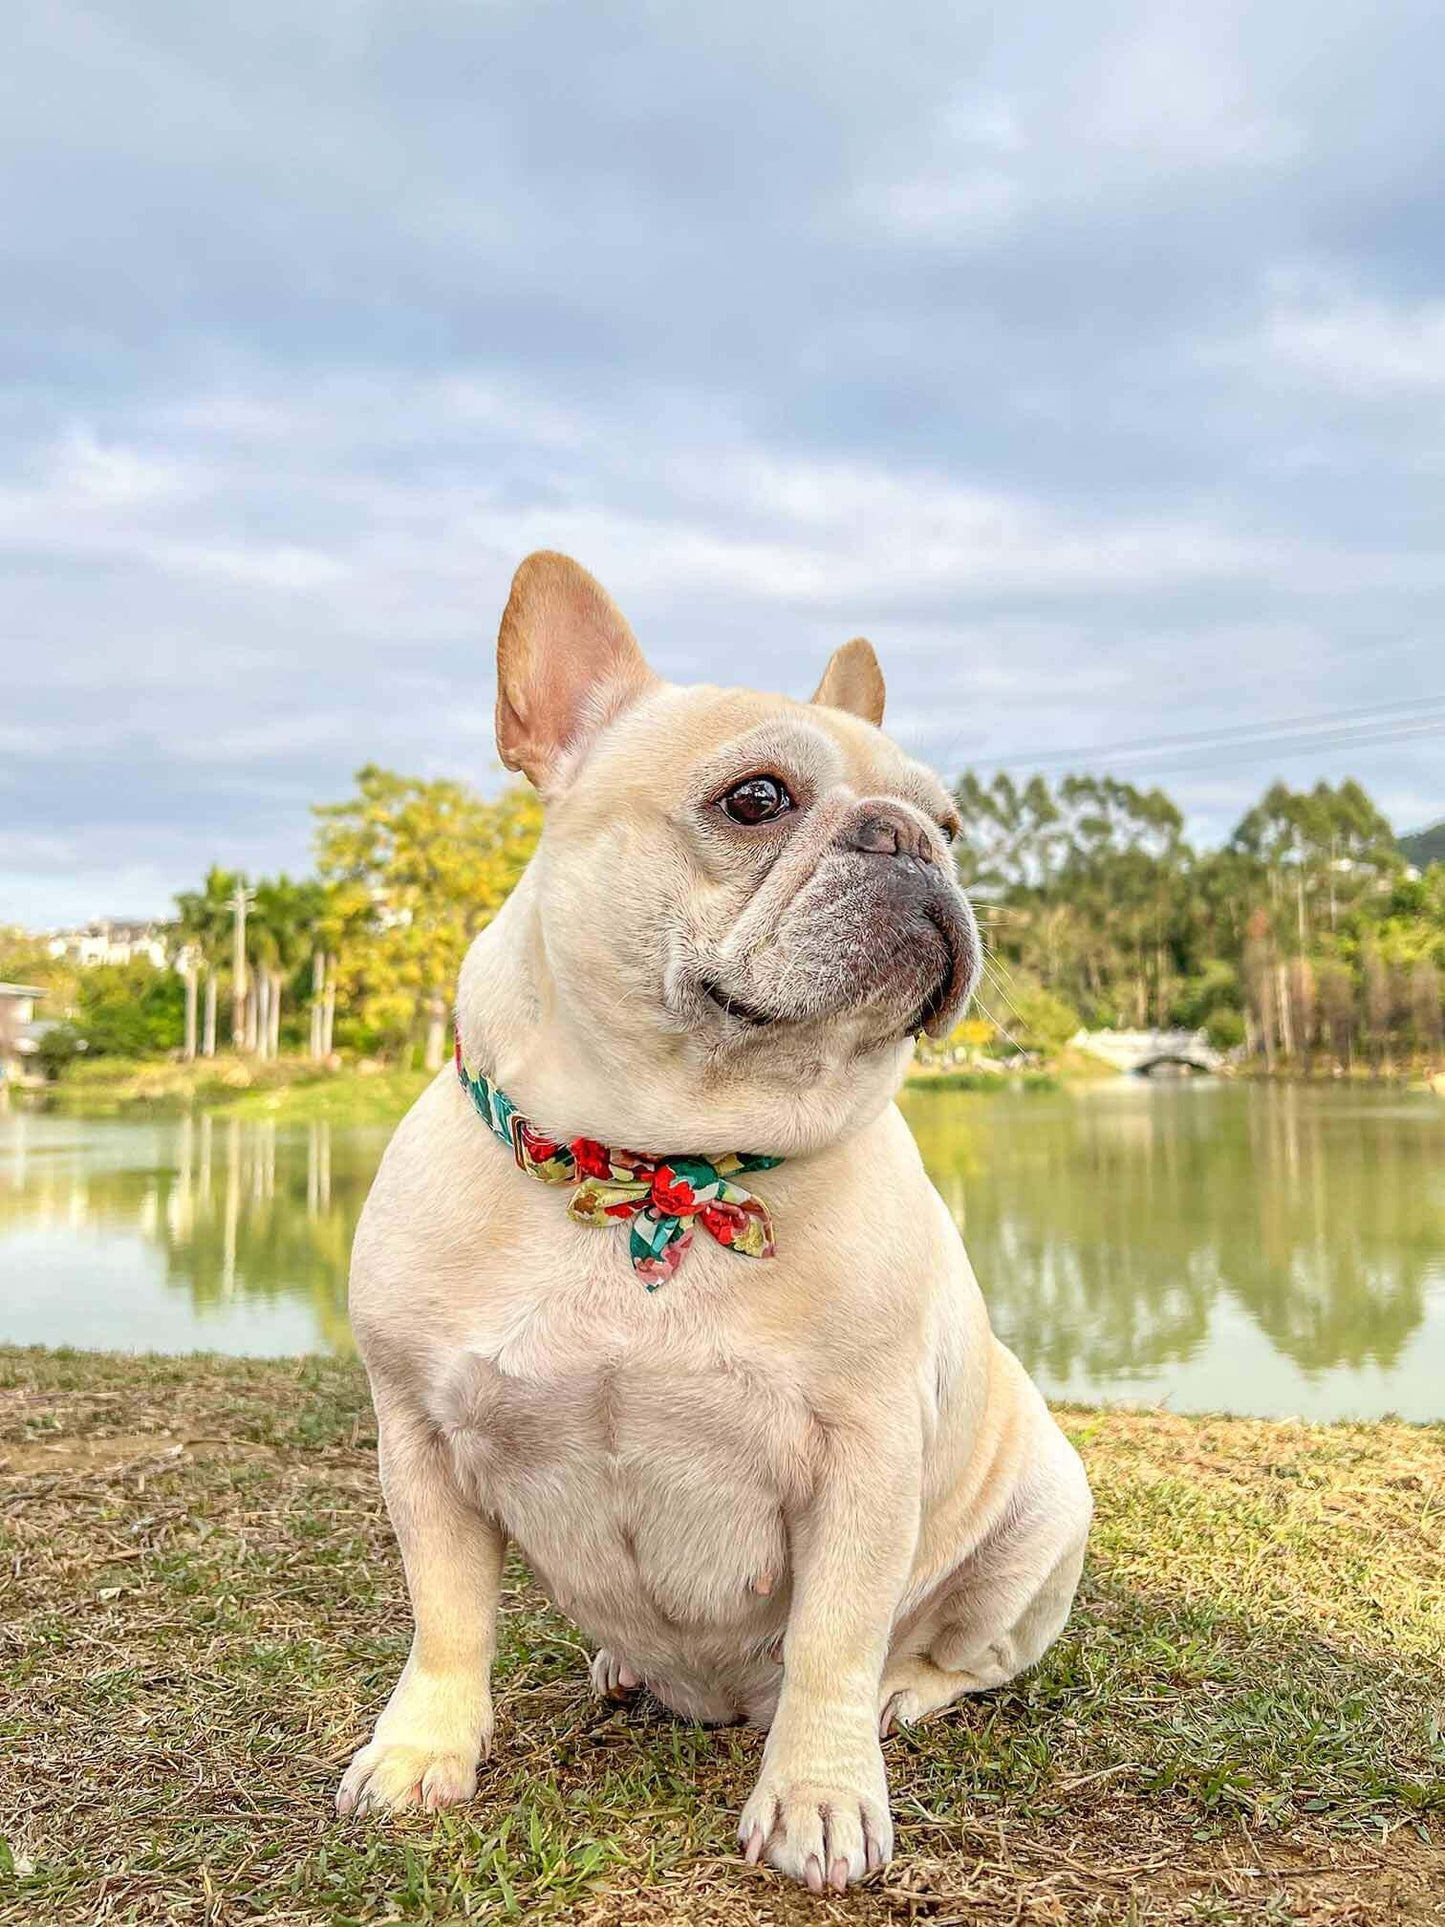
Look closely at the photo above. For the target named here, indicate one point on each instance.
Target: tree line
(1305, 938)
(360, 957)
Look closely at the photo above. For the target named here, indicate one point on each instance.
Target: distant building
(20, 1033)
(112, 942)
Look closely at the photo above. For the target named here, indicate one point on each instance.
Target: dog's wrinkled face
(756, 866)
(836, 848)
(743, 873)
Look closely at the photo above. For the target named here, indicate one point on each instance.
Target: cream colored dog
(808, 1489)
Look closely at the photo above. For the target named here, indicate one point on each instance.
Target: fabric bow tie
(660, 1198)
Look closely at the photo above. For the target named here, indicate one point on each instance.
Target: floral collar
(661, 1198)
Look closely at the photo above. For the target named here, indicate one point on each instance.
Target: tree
(415, 869)
(1425, 1004)
(1302, 933)
(283, 923)
(1320, 849)
(1083, 884)
(1011, 838)
(58, 1047)
(130, 1010)
(204, 919)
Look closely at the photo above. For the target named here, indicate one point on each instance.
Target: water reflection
(1117, 1231)
(241, 1213)
(1253, 1248)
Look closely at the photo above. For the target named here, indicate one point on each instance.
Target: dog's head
(755, 888)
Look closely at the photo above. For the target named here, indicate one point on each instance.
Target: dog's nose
(888, 829)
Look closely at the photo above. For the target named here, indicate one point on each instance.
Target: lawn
(295, 1090)
(201, 1610)
(292, 1088)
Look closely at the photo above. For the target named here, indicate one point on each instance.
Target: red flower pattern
(594, 1160)
(724, 1221)
(672, 1196)
(539, 1148)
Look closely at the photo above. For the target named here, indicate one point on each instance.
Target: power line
(1282, 726)
(1263, 750)
(1284, 735)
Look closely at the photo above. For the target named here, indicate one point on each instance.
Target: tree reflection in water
(1107, 1226)
(241, 1208)
(1118, 1232)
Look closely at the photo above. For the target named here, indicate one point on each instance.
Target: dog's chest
(640, 1461)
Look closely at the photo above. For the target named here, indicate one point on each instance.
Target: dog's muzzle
(919, 896)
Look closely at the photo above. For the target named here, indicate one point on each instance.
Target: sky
(1090, 360)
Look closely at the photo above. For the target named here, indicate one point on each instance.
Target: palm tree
(284, 922)
(205, 929)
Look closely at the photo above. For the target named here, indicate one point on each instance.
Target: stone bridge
(1139, 1052)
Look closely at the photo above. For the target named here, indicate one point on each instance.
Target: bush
(1225, 1028)
(1040, 1021)
(58, 1047)
(130, 1010)
(1215, 992)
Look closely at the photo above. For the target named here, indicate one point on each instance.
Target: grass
(296, 1090)
(988, 1081)
(1059, 1070)
(293, 1088)
(201, 1610)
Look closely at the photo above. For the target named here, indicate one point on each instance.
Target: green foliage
(1424, 847)
(1215, 991)
(414, 869)
(130, 1010)
(24, 959)
(1318, 827)
(284, 919)
(1090, 876)
(1039, 1020)
(58, 1048)
(1301, 935)
(204, 915)
(1224, 1028)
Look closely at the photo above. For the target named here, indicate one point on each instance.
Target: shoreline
(295, 1089)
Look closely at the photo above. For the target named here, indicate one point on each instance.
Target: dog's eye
(760, 799)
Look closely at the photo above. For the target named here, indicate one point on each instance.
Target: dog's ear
(853, 681)
(567, 663)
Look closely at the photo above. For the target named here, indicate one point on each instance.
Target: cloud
(1088, 362)
(1360, 347)
(1177, 89)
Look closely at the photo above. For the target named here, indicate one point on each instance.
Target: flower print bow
(660, 1198)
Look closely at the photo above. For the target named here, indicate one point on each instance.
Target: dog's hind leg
(1002, 1608)
(613, 1678)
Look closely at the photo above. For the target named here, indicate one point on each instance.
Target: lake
(1252, 1248)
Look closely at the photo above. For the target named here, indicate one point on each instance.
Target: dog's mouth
(958, 968)
(735, 1007)
(913, 970)
(933, 1007)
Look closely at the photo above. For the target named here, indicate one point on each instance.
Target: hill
(1424, 847)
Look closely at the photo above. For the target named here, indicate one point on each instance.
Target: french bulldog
(732, 1391)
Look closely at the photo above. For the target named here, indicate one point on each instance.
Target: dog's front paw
(822, 1833)
(387, 1778)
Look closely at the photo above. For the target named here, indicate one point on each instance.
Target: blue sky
(1090, 360)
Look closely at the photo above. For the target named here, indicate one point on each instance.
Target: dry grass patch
(201, 1611)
